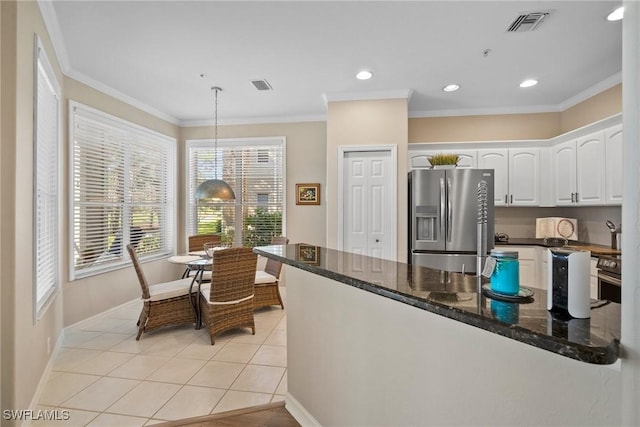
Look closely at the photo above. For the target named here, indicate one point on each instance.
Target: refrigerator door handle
(449, 210)
(443, 196)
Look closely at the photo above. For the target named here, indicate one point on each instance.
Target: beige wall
(604, 104)
(24, 344)
(502, 127)
(511, 127)
(305, 162)
(377, 122)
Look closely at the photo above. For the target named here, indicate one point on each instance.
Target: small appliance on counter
(501, 238)
(616, 235)
(566, 228)
(568, 295)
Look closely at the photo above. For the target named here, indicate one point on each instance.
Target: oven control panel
(613, 265)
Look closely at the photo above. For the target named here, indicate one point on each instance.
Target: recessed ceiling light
(364, 75)
(529, 83)
(451, 88)
(616, 15)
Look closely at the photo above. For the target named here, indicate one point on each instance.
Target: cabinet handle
(506, 200)
(511, 201)
(572, 197)
(576, 197)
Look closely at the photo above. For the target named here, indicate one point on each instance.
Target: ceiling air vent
(527, 22)
(261, 84)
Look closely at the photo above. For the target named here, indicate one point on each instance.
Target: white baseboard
(298, 412)
(44, 378)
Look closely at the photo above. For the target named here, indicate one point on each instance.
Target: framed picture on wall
(308, 194)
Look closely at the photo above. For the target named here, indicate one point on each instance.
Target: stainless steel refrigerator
(445, 207)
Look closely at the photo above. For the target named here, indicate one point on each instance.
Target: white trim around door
(392, 149)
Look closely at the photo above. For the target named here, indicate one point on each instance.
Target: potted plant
(444, 161)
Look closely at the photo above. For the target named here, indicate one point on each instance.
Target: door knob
(377, 240)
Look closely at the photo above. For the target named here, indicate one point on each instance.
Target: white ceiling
(152, 53)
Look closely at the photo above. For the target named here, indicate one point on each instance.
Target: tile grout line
(97, 326)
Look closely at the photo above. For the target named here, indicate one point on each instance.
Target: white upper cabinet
(564, 168)
(524, 176)
(613, 156)
(579, 169)
(590, 178)
(498, 160)
(516, 176)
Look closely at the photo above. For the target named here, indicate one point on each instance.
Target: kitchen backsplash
(521, 222)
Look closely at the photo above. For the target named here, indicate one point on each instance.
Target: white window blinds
(46, 194)
(255, 169)
(123, 192)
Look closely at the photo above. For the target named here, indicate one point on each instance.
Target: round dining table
(198, 263)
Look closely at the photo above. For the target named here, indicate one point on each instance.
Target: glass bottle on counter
(505, 278)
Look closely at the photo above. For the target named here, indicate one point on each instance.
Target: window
(122, 176)
(46, 136)
(263, 199)
(257, 213)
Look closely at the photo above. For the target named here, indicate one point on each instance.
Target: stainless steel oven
(609, 279)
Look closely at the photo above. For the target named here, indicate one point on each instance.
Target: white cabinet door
(547, 177)
(613, 155)
(498, 160)
(590, 176)
(564, 168)
(467, 158)
(419, 160)
(524, 176)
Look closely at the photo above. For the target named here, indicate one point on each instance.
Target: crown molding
(605, 84)
(255, 120)
(108, 90)
(367, 96)
(484, 111)
(55, 34)
(558, 108)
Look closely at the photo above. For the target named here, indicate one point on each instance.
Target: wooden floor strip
(268, 415)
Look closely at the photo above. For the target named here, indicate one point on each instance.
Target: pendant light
(215, 188)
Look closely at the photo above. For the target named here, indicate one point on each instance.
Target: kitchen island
(375, 342)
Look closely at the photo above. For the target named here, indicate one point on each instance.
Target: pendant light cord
(215, 89)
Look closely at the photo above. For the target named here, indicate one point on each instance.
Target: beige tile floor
(104, 377)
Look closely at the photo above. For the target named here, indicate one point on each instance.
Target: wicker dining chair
(164, 304)
(196, 243)
(267, 281)
(227, 301)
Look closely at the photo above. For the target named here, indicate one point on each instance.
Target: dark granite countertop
(453, 295)
(596, 250)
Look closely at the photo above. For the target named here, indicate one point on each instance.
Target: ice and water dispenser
(426, 223)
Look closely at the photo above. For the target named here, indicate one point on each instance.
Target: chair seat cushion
(205, 291)
(167, 290)
(264, 277)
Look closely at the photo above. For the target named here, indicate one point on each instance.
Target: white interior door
(369, 203)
